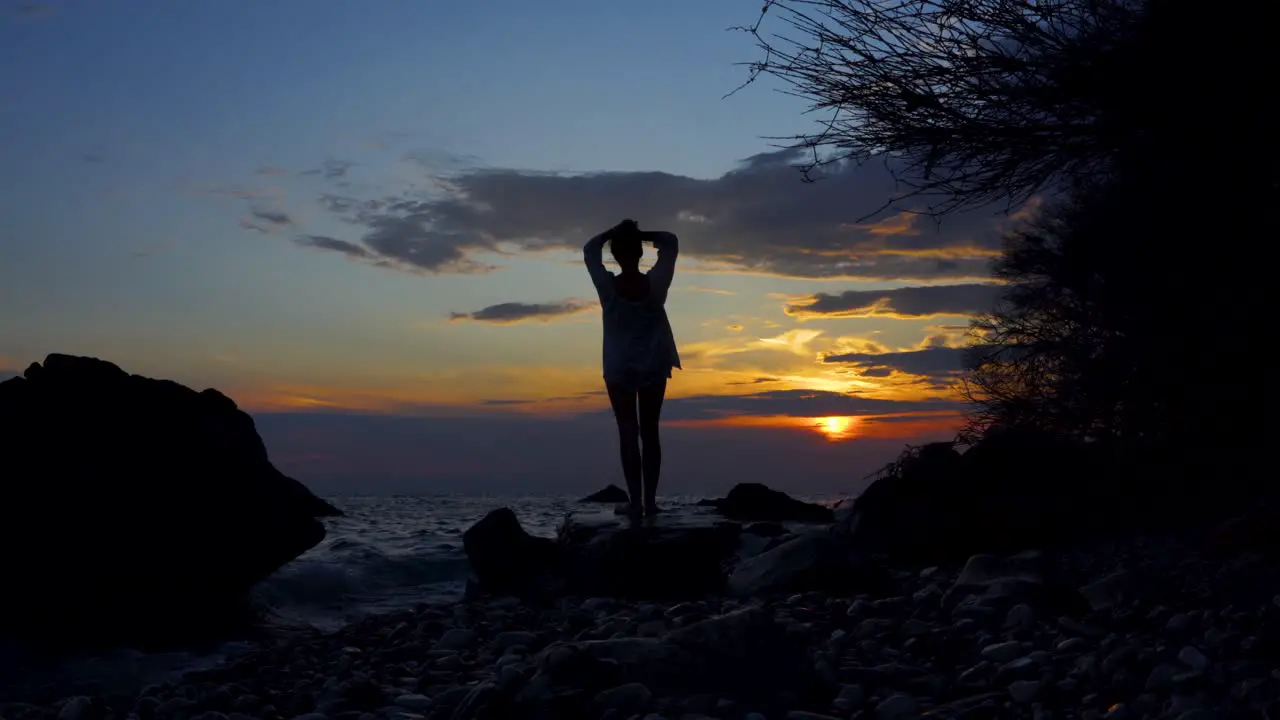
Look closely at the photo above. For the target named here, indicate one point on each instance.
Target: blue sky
(168, 168)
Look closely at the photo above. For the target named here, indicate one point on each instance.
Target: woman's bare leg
(650, 410)
(624, 411)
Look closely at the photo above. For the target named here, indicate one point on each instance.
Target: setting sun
(836, 427)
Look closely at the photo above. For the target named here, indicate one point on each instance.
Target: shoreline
(1169, 632)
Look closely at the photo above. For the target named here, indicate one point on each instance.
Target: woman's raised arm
(664, 268)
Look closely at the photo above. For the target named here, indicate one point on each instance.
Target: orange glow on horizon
(845, 428)
(837, 428)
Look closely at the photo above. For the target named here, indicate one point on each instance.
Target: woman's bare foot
(651, 510)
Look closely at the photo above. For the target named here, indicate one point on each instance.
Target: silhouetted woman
(639, 348)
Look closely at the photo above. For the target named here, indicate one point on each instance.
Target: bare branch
(976, 101)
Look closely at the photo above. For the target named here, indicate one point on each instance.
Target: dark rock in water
(756, 502)
(136, 509)
(816, 560)
(610, 494)
(506, 559)
(664, 558)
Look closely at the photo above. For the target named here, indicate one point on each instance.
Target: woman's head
(627, 249)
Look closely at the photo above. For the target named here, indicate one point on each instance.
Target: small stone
(413, 701)
(509, 677)
(627, 699)
(1004, 652)
(652, 628)
(1193, 658)
(898, 707)
(978, 675)
(915, 627)
(1072, 645)
(514, 638)
(1178, 624)
(1161, 676)
(1024, 691)
(850, 698)
(873, 626)
(1019, 617)
(1119, 711)
(1020, 668)
(457, 638)
(77, 708)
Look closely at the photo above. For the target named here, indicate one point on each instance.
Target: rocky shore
(1020, 577)
(1151, 627)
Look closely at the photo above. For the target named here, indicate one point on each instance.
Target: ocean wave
(348, 578)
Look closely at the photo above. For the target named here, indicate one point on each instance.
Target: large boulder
(504, 558)
(757, 502)
(1010, 491)
(611, 494)
(670, 558)
(817, 560)
(673, 556)
(136, 509)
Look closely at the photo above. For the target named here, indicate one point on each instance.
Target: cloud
(796, 403)
(266, 220)
(933, 362)
(905, 302)
(758, 218)
(275, 217)
(271, 170)
(331, 169)
(324, 242)
(35, 9)
(713, 291)
(514, 312)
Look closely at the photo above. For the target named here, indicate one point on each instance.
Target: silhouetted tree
(1132, 303)
(978, 101)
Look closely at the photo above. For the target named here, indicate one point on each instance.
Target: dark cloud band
(514, 312)
(756, 218)
(905, 302)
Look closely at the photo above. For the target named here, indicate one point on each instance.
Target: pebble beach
(1167, 632)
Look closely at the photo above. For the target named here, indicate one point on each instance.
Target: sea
(385, 554)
